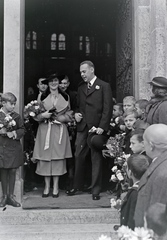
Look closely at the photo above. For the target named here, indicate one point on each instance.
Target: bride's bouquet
(32, 109)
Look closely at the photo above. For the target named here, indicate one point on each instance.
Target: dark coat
(156, 111)
(128, 135)
(128, 208)
(95, 106)
(73, 99)
(11, 154)
(152, 188)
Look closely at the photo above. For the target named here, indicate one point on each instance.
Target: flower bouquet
(7, 126)
(7, 123)
(104, 237)
(32, 109)
(114, 146)
(125, 233)
(120, 177)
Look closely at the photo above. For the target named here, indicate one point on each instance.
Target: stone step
(17, 216)
(57, 232)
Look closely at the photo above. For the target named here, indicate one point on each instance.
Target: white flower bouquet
(32, 109)
(125, 233)
(7, 123)
(104, 237)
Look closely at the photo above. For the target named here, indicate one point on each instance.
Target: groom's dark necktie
(89, 85)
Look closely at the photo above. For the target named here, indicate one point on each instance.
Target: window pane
(62, 37)
(62, 43)
(34, 35)
(28, 44)
(62, 46)
(53, 45)
(53, 37)
(53, 41)
(80, 43)
(87, 45)
(34, 45)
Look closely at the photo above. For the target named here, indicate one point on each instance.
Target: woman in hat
(52, 145)
(156, 110)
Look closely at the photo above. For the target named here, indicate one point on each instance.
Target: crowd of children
(129, 120)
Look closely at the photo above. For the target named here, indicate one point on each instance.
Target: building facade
(139, 51)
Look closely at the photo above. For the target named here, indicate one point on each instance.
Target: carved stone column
(150, 51)
(13, 62)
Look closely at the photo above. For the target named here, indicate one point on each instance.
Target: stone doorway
(60, 34)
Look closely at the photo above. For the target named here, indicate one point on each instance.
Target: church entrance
(60, 34)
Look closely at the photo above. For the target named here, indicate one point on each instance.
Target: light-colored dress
(52, 144)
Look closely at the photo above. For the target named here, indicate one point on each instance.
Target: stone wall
(124, 83)
(150, 55)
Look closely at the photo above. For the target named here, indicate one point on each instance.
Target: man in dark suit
(94, 111)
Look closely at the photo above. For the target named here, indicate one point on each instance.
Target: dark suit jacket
(152, 188)
(95, 106)
(128, 208)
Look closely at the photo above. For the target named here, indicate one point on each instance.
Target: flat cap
(159, 82)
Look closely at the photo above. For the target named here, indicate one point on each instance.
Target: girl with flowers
(11, 155)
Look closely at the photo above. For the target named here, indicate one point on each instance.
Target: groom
(94, 111)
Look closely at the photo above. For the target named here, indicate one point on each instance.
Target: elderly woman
(52, 145)
(156, 110)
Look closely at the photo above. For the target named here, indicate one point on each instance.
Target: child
(117, 119)
(130, 118)
(129, 103)
(11, 156)
(137, 142)
(140, 106)
(137, 165)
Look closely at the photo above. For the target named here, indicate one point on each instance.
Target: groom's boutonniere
(97, 87)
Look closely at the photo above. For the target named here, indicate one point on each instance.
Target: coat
(95, 106)
(152, 188)
(156, 111)
(11, 153)
(55, 135)
(128, 208)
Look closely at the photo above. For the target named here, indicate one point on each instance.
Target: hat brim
(96, 141)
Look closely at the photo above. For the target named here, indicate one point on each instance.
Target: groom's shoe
(95, 197)
(72, 192)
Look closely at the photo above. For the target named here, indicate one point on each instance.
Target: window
(84, 44)
(62, 42)
(108, 50)
(87, 41)
(34, 40)
(53, 41)
(28, 41)
(31, 40)
(80, 43)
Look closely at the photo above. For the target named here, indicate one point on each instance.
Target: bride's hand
(46, 115)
